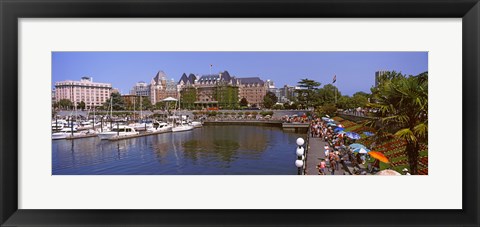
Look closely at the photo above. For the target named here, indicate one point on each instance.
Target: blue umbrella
(368, 133)
(331, 124)
(357, 145)
(353, 135)
(361, 150)
(338, 129)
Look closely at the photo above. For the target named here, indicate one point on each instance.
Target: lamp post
(300, 155)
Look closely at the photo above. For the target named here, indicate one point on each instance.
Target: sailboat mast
(111, 106)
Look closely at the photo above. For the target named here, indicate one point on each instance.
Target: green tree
(360, 99)
(146, 104)
(65, 103)
(188, 97)
(345, 102)
(269, 100)
(227, 96)
(306, 96)
(403, 107)
(160, 106)
(278, 107)
(243, 102)
(327, 94)
(329, 109)
(117, 102)
(81, 105)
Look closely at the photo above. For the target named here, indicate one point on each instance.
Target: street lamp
(300, 155)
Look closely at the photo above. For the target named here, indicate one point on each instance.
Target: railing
(306, 151)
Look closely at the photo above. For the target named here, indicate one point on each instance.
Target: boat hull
(182, 128)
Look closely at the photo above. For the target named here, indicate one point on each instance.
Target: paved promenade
(315, 153)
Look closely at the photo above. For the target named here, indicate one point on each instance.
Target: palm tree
(403, 109)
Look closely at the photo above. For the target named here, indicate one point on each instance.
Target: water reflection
(207, 150)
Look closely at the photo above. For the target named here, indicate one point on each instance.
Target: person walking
(321, 167)
(333, 166)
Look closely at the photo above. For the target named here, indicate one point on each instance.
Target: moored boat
(121, 130)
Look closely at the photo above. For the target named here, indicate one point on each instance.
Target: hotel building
(253, 89)
(141, 89)
(161, 88)
(93, 94)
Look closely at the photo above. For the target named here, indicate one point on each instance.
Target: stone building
(93, 94)
(141, 89)
(253, 89)
(161, 88)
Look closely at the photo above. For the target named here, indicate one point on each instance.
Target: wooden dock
(115, 138)
(81, 136)
(297, 127)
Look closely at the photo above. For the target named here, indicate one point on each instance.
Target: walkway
(315, 153)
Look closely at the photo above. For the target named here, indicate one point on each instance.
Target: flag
(334, 79)
(211, 65)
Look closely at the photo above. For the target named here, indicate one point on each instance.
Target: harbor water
(210, 150)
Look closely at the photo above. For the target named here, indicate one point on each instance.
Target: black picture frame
(11, 11)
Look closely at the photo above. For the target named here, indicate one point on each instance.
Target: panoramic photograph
(239, 113)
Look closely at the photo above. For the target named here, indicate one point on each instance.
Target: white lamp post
(300, 155)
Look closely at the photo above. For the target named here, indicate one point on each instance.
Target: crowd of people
(337, 152)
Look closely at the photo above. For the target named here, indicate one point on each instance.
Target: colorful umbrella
(338, 129)
(379, 156)
(361, 150)
(353, 135)
(388, 172)
(368, 133)
(355, 145)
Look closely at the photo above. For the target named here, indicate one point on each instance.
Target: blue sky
(355, 70)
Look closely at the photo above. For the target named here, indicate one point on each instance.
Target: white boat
(142, 125)
(181, 128)
(196, 124)
(64, 133)
(59, 125)
(88, 125)
(121, 130)
(160, 127)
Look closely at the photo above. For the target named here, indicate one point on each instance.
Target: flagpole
(336, 94)
(210, 69)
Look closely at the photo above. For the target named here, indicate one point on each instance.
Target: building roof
(160, 76)
(191, 78)
(223, 76)
(183, 78)
(251, 80)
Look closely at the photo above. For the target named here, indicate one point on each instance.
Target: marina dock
(81, 136)
(116, 138)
